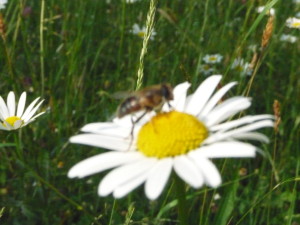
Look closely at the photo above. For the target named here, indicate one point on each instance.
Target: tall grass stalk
(149, 29)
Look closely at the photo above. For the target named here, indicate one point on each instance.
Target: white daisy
(183, 139)
(206, 69)
(2, 4)
(242, 67)
(288, 38)
(293, 22)
(270, 12)
(212, 59)
(12, 119)
(132, 1)
(136, 29)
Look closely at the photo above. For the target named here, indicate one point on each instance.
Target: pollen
(11, 120)
(171, 134)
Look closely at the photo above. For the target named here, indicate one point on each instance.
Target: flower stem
(182, 208)
(42, 52)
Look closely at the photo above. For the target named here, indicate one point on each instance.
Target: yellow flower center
(141, 34)
(296, 24)
(11, 120)
(213, 58)
(170, 134)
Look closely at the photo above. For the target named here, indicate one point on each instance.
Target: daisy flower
(242, 67)
(182, 138)
(2, 4)
(12, 118)
(136, 29)
(288, 38)
(270, 12)
(212, 59)
(132, 1)
(293, 22)
(206, 69)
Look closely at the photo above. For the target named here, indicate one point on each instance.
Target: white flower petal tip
(179, 93)
(12, 115)
(202, 95)
(130, 168)
(158, 178)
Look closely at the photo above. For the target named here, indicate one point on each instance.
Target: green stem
(19, 145)
(42, 47)
(182, 207)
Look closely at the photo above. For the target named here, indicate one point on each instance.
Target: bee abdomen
(129, 106)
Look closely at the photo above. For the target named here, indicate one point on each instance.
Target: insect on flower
(150, 98)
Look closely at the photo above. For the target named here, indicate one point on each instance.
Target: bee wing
(121, 94)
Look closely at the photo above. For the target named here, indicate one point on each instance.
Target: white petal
(229, 149)
(18, 124)
(107, 128)
(245, 129)
(101, 162)
(29, 108)
(179, 93)
(8, 126)
(11, 103)
(32, 112)
(158, 177)
(21, 104)
(238, 122)
(209, 171)
(252, 136)
(101, 141)
(124, 174)
(186, 169)
(202, 94)
(33, 118)
(215, 99)
(3, 109)
(3, 127)
(227, 109)
(126, 188)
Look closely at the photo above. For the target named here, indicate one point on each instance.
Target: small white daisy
(242, 67)
(182, 139)
(270, 12)
(2, 4)
(12, 119)
(136, 29)
(293, 22)
(206, 69)
(213, 59)
(288, 38)
(132, 1)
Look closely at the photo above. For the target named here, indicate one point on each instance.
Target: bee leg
(133, 125)
(170, 107)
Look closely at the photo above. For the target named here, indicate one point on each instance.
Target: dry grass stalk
(267, 32)
(253, 60)
(276, 109)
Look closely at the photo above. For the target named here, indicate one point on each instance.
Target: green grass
(83, 52)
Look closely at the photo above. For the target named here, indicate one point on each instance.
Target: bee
(150, 98)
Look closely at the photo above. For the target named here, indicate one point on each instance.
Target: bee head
(167, 91)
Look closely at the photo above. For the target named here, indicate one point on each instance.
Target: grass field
(77, 54)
